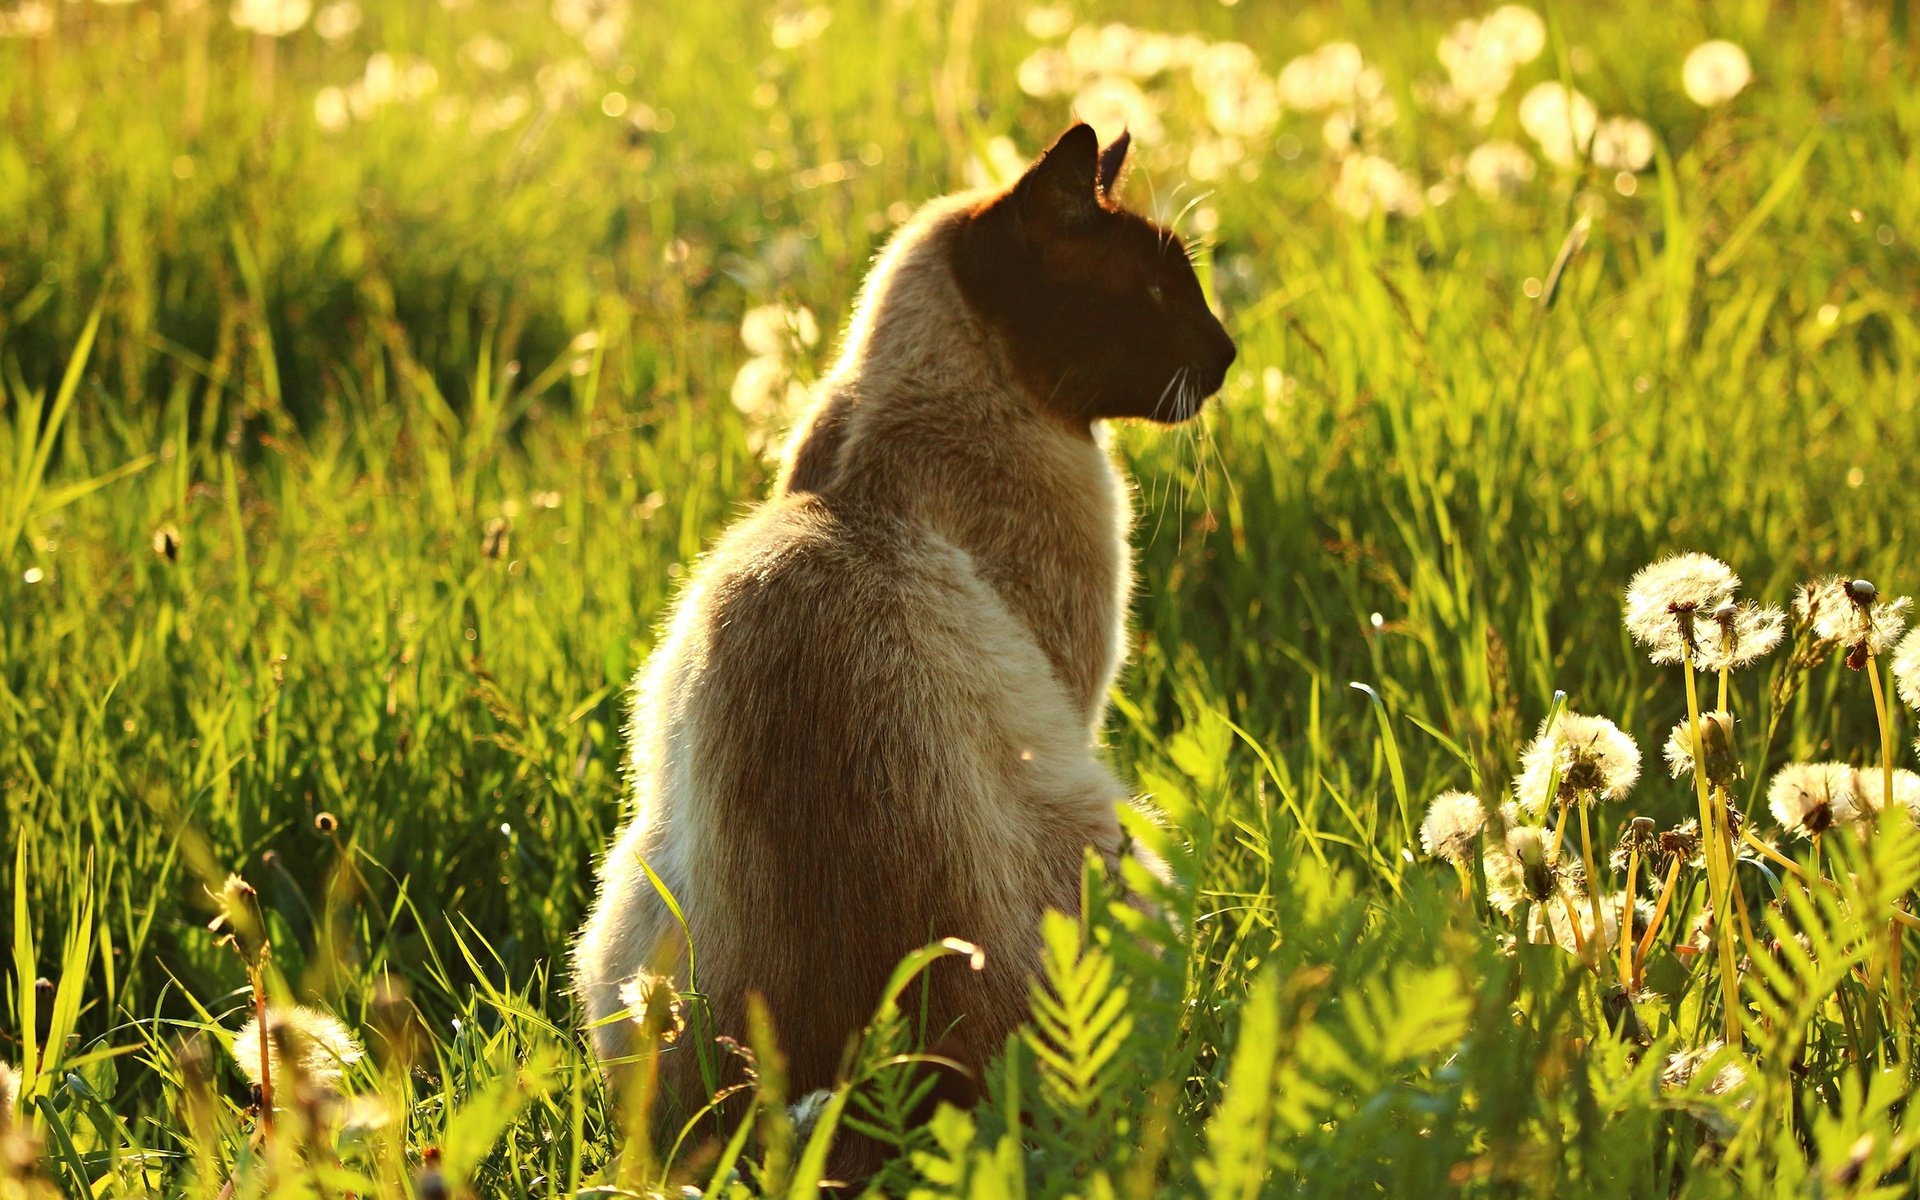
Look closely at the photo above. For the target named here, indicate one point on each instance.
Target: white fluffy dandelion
(307, 1049)
(1721, 758)
(271, 18)
(1499, 169)
(1519, 873)
(1670, 598)
(1623, 144)
(1906, 668)
(1333, 74)
(1738, 635)
(1849, 613)
(1560, 119)
(1113, 105)
(778, 330)
(1808, 799)
(1589, 757)
(1453, 823)
(1370, 184)
(1715, 72)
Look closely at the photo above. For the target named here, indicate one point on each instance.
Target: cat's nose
(1224, 351)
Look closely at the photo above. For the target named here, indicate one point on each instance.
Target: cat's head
(1098, 307)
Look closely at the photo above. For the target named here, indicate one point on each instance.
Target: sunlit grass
(365, 390)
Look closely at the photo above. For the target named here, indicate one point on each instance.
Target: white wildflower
(1560, 119)
(1589, 757)
(308, 1050)
(1623, 144)
(1715, 72)
(777, 330)
(337, 20)
(1333, 74)
(1368, 184)
(1453, 823)
(1850, 614)
(1906, 668)
(330, 109)
(271, 18)
(1049, 21)
(1667, 600)
(1113, 106)
(1499, 169)
(1519, 874)
(1736, 635)
(1810, 798)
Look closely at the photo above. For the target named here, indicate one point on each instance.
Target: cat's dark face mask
(1099, 307)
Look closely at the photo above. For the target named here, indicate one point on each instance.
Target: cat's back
(818, 606)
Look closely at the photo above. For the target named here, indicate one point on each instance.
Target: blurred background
(370, 370)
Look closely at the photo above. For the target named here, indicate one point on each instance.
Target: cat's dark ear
(1060, 190)
(1113, 160)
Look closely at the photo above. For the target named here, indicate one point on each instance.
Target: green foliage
(345, 471)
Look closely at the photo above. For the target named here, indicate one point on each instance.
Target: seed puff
(1590, 756)
(1667, 601)
(1454, 821)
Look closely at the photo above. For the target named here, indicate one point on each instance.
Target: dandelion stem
(1559, 833)
(1659, 915)
(1897, 988)
(1573, 922)
(1594, 910)
(1768, 851)
(1626, 919)
(1717, 880)
(1886, 726)
(266, 1059)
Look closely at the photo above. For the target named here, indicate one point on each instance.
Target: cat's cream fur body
(871, 722)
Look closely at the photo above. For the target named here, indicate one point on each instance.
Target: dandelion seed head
(1590, 756)
(306, 1047)
(1499, 169)
(1906, 668)
(337, 20)
(1840, 615)
(271, 18)
(1114, 105)
(1332, 74)
(1681, 843)
(1810, 798)
(9, 1093)
(1637, 839)
(654, 1004)
(1519, 873)
(1906, 792)
(1738, 635)
(1452, 825)
(1623, 144)
(1722, 760)
(1368, 184)
(778, 330)
(1670, 596)
(1683, 1066)
(1049, 21)
(1715, 72)
(1560, 119)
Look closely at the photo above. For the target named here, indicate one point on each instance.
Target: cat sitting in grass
(872, 719)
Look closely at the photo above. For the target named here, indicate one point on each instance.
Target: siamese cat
(872, 719)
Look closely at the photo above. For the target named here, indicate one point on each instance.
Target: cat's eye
(1156, 293)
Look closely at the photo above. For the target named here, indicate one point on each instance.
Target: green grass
(325, 361)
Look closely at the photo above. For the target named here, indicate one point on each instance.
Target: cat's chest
(1060, 561)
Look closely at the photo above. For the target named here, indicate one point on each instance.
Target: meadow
(371, 370)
